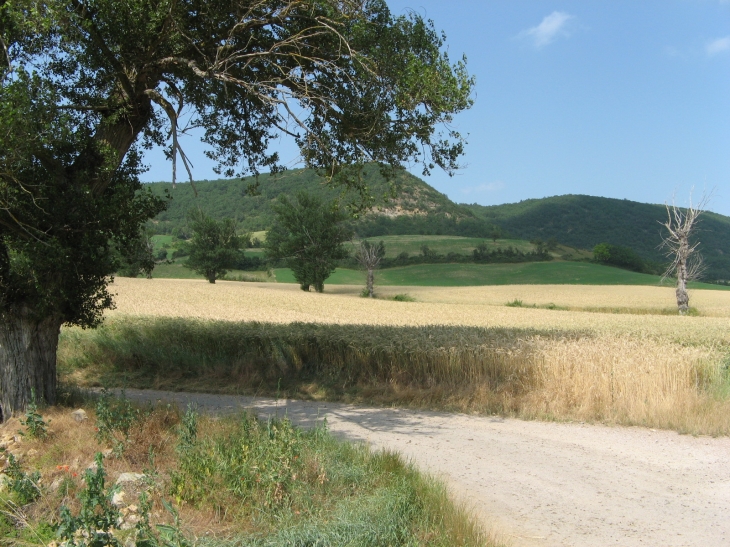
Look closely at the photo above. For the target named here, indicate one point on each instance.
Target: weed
(516, 303)
(97, 518)
(36, 427)
(114, 420)
(25, 486)
(404, 297)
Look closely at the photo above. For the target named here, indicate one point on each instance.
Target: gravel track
(537, 483)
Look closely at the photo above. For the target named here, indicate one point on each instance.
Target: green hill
(584, 221)
(416, 209)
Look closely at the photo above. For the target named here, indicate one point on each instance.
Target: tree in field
(369, 256)
(686, 263)
(138, 258)
(86, 84)
(214, 247)
(309, 235)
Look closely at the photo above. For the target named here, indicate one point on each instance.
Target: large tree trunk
(370, 283)
(27, 361)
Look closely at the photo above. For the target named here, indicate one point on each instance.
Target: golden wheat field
(467, 306)
(635, 365)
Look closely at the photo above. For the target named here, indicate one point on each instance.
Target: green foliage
(36, 427)
(24, 486)
(97, 518)
(403, 297)
(83, 90)
(138, 258)
(214, 246)
(97, 522)
(115, 417)
(621, 257)
(308, 234)
(483, 254)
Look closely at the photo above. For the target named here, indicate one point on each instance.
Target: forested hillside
(585, 221)
(416, 209)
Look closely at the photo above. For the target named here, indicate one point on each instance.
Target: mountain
(585, 221)
(417, 208)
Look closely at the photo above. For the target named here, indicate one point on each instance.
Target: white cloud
(483, 188)
(552, 26)
(720, 45)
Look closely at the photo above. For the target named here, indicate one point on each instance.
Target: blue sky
(615, 98)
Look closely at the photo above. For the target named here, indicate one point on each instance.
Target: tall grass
(567, 375)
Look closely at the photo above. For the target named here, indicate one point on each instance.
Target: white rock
(79, 415)
(130, 522)
(129, 477)
(118, 499)
(56, 484)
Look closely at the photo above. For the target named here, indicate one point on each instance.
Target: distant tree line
(480, 255)
(442, 225)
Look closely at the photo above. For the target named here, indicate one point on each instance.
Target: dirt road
(541, 484)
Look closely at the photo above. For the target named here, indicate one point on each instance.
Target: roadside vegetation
(158, 477)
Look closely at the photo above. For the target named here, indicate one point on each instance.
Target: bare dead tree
(687, 263)
(369, 256)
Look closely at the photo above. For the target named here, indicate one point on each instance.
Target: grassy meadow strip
(530, 373)
(216, 482)
(630, 299)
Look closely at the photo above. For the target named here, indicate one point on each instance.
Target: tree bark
(27, 361)
(682, 276)
(682, 294)
(370, 282)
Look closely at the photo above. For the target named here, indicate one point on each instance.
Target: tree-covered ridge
(585, 221)
(412, 207)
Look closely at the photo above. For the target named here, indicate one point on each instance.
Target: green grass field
(465, 275)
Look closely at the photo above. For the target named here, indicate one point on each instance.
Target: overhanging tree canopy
(83, 83)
